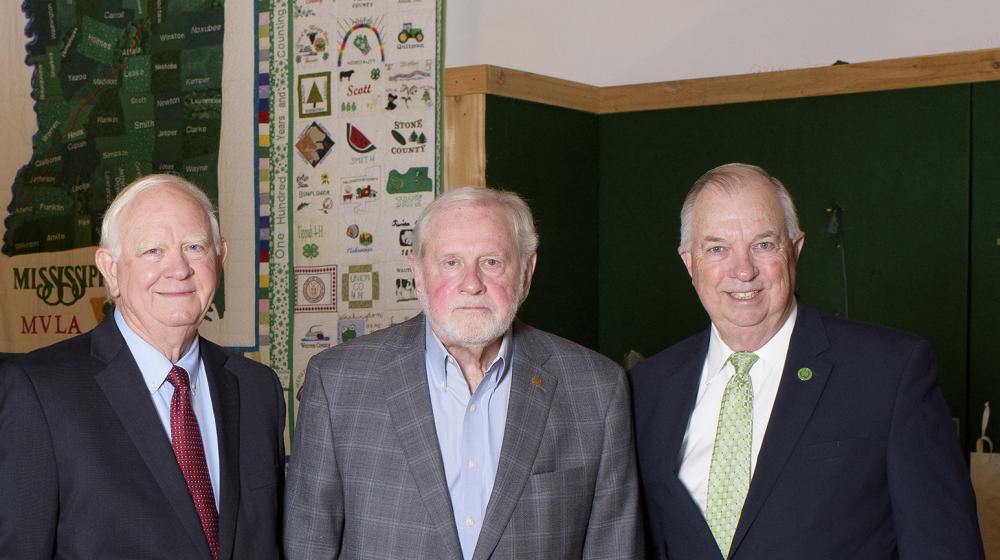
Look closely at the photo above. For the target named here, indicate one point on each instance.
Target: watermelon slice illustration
(358, 141)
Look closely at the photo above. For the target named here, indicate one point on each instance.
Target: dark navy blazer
(860, 461)
(88, 471)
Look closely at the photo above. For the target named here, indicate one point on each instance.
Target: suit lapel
(225, 392)
(121, 382)
(531, 392)
(793, 406)
(409, 403)
(678, 398)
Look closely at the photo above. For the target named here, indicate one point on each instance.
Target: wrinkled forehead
(454, 224)
(750, 200)
(478, 228)
(163, 207)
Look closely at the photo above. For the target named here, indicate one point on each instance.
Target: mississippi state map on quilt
(122, 88)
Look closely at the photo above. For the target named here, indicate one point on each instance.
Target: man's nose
(471, 283)
(177, 265)
(744, 268)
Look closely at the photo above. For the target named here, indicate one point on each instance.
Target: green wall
(914, 170)
(549, 155)
(984, 252)
(895, 161)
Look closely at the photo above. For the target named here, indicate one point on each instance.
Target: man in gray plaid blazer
(462, 434)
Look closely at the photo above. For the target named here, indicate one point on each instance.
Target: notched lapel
(531, 391)
(676, 396)
(674, 408)
(676, 404)
(793, 407)
(121, 382)
(409, 403)
(225, 390)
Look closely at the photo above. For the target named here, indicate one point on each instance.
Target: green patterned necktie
(729, 475)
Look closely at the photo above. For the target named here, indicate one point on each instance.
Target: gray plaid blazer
(366, 478)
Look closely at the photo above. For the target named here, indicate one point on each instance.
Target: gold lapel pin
(536, 381)
(805, 374)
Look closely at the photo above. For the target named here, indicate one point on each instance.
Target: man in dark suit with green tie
(782, 432)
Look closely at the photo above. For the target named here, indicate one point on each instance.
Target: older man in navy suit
(140, 439)
(781, 432)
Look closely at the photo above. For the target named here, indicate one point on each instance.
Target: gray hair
(730, 178)
(110, 227)
(522, 224)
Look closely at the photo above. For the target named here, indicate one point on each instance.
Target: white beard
(472, 331)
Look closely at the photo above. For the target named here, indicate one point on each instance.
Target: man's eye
(154, 251)
(766, 245)
(715, 249)
(491, 263)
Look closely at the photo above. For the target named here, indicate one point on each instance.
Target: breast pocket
(832, 449)
(560, 484)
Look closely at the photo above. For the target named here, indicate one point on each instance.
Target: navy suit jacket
(88, 470)
(859, 462)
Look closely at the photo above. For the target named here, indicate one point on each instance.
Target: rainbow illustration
(355, 27)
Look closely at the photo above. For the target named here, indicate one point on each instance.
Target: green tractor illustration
(409, 32)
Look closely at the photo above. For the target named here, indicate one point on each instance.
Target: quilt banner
(353, 126)
(95, 96)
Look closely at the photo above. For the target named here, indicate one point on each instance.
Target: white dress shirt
(695, 455)
(155, 367)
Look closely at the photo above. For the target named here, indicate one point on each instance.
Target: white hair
(522, 224)
(111, 227)
(730, 178)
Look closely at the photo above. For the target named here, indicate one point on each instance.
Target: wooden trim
(900, 73)
(543, 89)
(496, 80)
(464, 140)
(465, 80)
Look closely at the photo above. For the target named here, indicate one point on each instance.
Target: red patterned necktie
(190, 455)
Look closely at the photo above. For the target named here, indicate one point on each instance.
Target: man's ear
(529, 271)
(797, 244)
(686, 257)
(109, 270)
(418, 273)
(223, 251)
(414, 265)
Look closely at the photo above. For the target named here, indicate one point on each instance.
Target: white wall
(635, 41)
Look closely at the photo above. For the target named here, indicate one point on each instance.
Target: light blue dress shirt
(470, 430)
(155, 367)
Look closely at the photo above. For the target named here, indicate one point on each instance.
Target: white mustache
(473, 303)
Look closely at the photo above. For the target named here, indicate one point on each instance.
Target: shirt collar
(773, 352)
(438, 358)
(152, 363)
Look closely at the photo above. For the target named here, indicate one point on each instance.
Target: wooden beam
(900, 73)
(464, 140)
(526, 86)
(465, 80)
